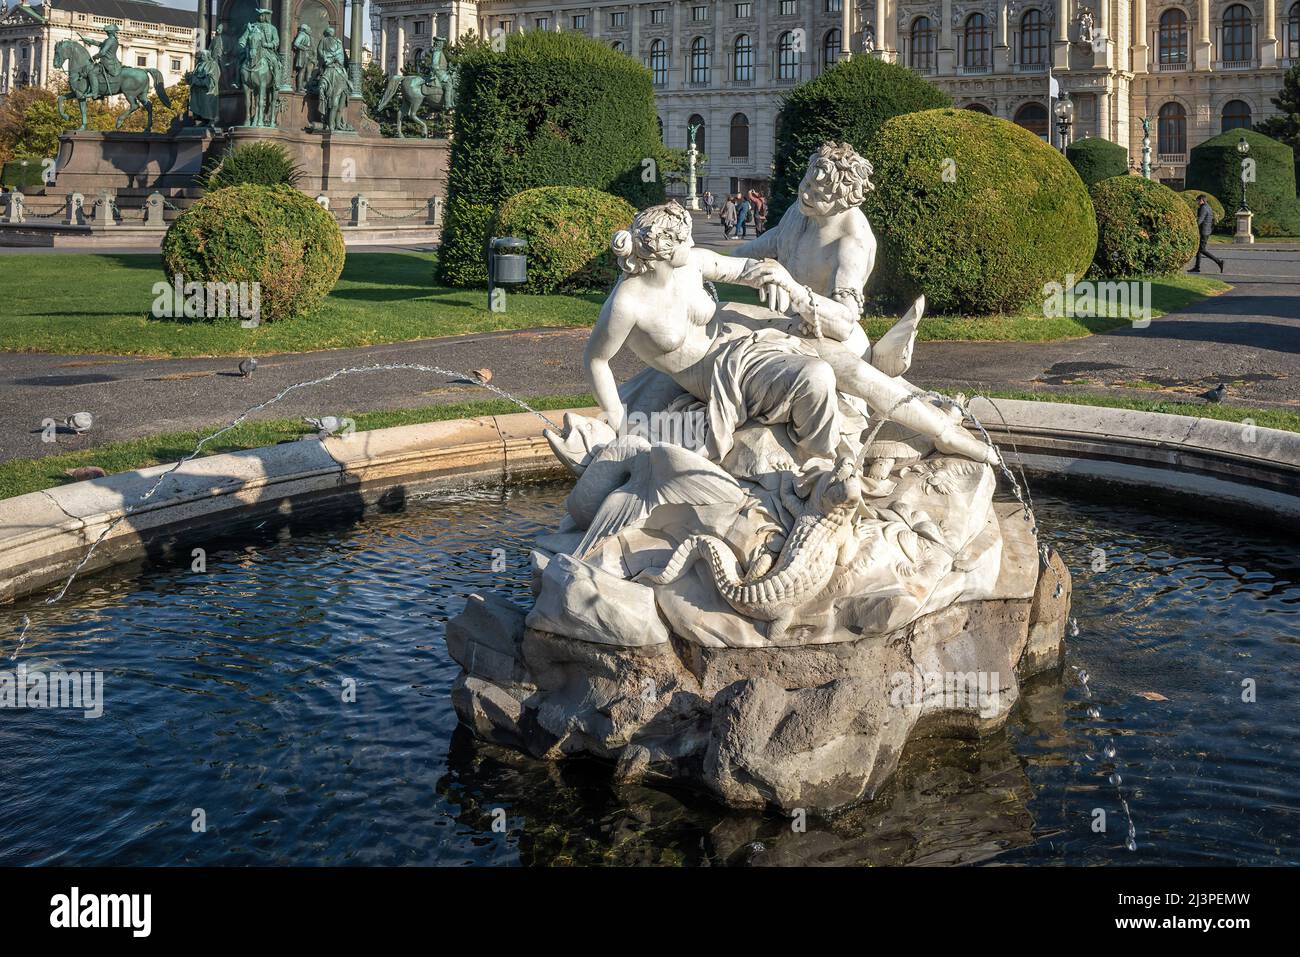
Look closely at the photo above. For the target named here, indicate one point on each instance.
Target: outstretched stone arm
(757, 273)
(607, 338)
(765, 244)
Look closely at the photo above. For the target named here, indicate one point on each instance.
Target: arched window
(1236, 34)
(1171, 134)
(417, 58)
(1033, 38)
(1173, 36)
(700, 61)
(787, 57)
(1293, 32)
(975, 43)
(660, 121)
(920, 53)
(1236, 115)
(742, 67)
(1033, 117)
(831, 48)
(618, 47)
(696, 120)
(740, 136)
(659, 63)
(978, 108)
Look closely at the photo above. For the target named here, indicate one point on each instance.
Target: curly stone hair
(848, 171)
(654, 234)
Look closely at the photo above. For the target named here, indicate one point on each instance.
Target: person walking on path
(728, 217)
(744, 214)
(1205, 223)
(708, 204)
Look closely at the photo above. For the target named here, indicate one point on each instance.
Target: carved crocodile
(821, 539)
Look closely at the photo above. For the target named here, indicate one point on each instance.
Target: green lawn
(79, 303)
(29, 475)
(19, 476)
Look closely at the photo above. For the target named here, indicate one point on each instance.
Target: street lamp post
(1244, 234)
(1064, 119)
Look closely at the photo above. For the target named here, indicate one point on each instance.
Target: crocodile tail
(721, 561)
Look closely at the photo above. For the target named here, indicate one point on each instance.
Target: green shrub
(1143, 229)
(551, 109)
(568, 230)
(273, 235)
(462, 254)
(846, 104)
(23, 174)
(260, 162)
(1097, 159)
(1190, 197)
(974, 211)
(1215, 166)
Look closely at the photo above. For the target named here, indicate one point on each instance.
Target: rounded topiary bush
(259, 162)
(1190, 197)
(272, 235)
(1143, 229)
(1216, 167)
(1097, 159)
(974, 211)
(568, 230)
(550, 109)
(846, 104)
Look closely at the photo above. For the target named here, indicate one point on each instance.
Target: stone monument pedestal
(1243, 233)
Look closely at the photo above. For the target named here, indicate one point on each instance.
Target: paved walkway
(1249, 335)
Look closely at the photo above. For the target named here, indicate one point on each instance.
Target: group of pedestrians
(740, 213)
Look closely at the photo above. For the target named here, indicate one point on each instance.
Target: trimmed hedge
(260, 162)
(1143, 229)
(1097, 159)
(846, 104)
(568, 230)
(551, 109)
(974, 211)
(273, 235)
(1190, 197)
(1215, 166)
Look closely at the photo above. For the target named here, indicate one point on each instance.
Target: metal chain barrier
(382, 215)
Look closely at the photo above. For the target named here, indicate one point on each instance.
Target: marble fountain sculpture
(780, 558)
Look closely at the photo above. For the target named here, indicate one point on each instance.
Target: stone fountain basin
(1217, 465)
(784, 734)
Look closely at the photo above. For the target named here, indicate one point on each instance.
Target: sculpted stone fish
(821, 539)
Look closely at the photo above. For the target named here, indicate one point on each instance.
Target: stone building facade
(1195, 67)
(149, 35)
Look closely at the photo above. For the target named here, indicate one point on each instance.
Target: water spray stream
(239, 420)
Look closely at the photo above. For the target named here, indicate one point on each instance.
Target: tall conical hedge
(1215, 166)
(550, 109)
(847, 104)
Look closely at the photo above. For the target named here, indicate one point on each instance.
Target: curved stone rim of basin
(44, 534)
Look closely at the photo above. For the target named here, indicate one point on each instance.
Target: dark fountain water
(224, 691)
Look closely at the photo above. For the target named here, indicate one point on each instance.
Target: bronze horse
(131, 82)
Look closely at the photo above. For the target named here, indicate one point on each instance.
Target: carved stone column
(1268, 48)
(1139, 36)
(354, 47)
(1001, 41)
(1203, 45)
(947, 55)
(203, 25)
(286, 38)
(1061, 37)
(846, 29)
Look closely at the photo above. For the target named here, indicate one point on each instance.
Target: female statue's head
(838, 178)
(658, 233)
